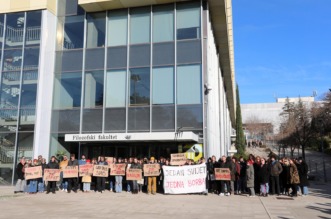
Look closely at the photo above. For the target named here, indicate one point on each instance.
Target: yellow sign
(194, 152)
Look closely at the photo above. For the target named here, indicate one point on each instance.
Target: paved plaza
(126, 205)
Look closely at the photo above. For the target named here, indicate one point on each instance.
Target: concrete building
(115, 78)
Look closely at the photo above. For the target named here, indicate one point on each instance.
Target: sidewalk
(126, 205)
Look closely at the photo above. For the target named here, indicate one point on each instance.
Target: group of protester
(256, 175)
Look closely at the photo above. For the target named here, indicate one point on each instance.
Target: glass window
(67, 90)
(116, 88)
(73, 36)
(33, 28)
(117, 57)
(163, 23)
(93, 90)
(12, 60)
(188, 51)
(69, 60)
(96, 29)
(139, 25)
(189, 117)
(163, 85)
(117, 28)
(92, 120)
(31, 58)
(65, 120)
(188, 21)
(7, 144)
(163, 53)
(10, 90)
(139, 86)
(138, 119)
(29, 89)
(115, 120)
(14, 30)
(163, 118)
(95, 59)
(2, 17)
(25, 145)
(189, 84)
(140, 55)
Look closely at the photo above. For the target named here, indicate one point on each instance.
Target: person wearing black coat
(303, 175)
(21, 183)
(51, 185)
(263, 177)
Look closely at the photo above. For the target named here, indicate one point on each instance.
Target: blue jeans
(86, 186)
(128, 187)
(33, 186)
(118, 186)
(111, 185)
(64, 184)
(41, 186)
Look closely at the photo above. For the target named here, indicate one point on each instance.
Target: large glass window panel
(116, 88)
(8, 119)
(2, 30)
(117, 28)
(73, 37)
(140, 86)
(115, 119)
(33, 28)
(188, 51)
(92, 120)
(12, 60)
(188, 20)
(10, 90)
(163, 53)
(65, 120)
(139, 119)
(14, 30)
(67, 90)
(163, 85)
(117, 57)
(95, 59)
(139, 25)
(70, 60)
(28, 100)
(189, 84)
(163, 23)
(140, 55)
(96, 29)
(93, 90)
(25, 145)
(7, 145)
(31, 58)
(189, 117)
(163, 118)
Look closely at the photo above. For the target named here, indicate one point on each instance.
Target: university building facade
(116, 78)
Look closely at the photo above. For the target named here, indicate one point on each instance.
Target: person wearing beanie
(51, 185)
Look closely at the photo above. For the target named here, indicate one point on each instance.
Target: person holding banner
(73, 182)
(151, 188)
(21, 183)
(224, 183)
(33, 182)
(101, 181)
(63, 165)
(51, 185)
(86, 180)
(118, 179)
(135, 165)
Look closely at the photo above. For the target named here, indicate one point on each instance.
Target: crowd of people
(254, 176)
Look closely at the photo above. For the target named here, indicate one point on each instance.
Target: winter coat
(20, 171)
(52, 165)
(275, 168)
(303, 173)
(263, 174)
(250, 176)
(294, 175)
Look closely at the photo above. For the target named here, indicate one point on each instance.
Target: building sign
(126, 137)
(184, 179)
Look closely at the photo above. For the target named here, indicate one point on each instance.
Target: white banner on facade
(184, 179)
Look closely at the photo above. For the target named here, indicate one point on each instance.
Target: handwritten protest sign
(85, 170)
(33, 172)
(70, 172)
(178, 159)
(100, 170)
(118, 169)
(152, 169)
(222, 174)
(52, 175)
(184, 179)
(133, 174)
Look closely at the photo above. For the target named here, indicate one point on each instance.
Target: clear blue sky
(281, 48)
